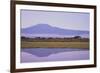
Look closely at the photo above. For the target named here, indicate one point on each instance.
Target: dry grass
(46, 44)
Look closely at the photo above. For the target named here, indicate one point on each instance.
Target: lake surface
(53, 54)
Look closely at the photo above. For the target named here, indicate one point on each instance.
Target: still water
(53, 54)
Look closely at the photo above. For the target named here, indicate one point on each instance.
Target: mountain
(45, 30)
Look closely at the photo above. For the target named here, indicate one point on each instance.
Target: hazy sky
(66, 20)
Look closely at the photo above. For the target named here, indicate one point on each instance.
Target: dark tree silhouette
(77, 37)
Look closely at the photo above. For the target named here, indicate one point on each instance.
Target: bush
(77, 37)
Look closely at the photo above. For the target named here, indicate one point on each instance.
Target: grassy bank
(28, 44)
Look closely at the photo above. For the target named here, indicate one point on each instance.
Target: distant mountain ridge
(45, 29)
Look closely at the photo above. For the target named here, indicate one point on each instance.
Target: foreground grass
(53, 44)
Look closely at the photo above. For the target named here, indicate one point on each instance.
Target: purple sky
(66, 20)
